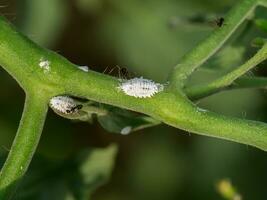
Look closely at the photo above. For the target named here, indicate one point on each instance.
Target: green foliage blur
(147, 37)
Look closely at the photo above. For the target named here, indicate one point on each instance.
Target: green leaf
(73, 179)
(124, 122)
(261, 24)
(95, 169)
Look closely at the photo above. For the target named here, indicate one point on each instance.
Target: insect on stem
(220, 22)
(123, 73)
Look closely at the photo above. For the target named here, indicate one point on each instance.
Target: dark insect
(220, 21)
(122, 72)
(75, 109)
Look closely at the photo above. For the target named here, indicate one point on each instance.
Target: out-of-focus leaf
(140, 36)
(261, 24)
(258, 42)
(73, 179)
(157, 167)
(124, 122)
(95, 169)
(89, 6)
(42, 20)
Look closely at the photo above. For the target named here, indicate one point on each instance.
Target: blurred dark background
(147, 37)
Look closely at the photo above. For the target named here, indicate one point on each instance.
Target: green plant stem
(24, 145)
(200, 91)
(240, 83)
(210, 45)
(21, 58)
(170, 107)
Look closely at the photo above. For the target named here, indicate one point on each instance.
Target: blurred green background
(147, 37)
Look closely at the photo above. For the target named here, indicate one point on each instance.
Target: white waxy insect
(44, 64)
(63, 104)
(140, 87)
(126, 130)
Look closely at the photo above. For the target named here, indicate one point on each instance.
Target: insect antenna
(123, 72)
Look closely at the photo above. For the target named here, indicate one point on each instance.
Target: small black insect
(220, 21)
(122, 71)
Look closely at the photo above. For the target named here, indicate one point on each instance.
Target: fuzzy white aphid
(63, 104)
(140, 87)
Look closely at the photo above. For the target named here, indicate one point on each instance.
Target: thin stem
(24, 145)
(240, 83)
(210, 45)
(200, 91)
(248, 83)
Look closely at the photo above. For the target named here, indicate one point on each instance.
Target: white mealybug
(140, 87)
(84, 68)
(126, 130)
(44, 64)
(63, 104)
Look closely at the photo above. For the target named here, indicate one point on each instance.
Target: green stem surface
(170, 108)
(24, 145)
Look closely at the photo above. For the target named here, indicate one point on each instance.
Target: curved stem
(210, 45)
(240, 83)
(24, 145)
(171, 108)
(200, 91)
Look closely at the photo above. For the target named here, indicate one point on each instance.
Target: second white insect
(140, 87)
